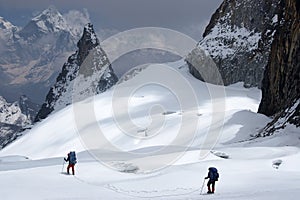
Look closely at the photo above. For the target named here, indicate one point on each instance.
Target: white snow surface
(256, 169)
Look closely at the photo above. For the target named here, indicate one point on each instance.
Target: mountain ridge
(87, 72)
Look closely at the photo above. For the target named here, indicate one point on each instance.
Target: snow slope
(263, 168)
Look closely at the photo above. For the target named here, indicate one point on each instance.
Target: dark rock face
(281, 83)
(238, 38)
(86, 73)
(8, 133)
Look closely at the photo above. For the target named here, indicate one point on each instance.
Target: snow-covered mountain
(7, 31)
(31, 56)
(10, 113)
(86, 73)
(14, 117)
(48, 21)
(239, 37)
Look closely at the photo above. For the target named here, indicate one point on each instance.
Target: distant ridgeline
(31, 56)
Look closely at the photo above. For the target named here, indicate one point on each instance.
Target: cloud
(77, 19)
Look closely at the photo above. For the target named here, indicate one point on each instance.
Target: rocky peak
(48, 13)
(238, 39)
(7, 31)
(4, 24)
(48, 21)
(87, 42)
(249, 14)
(280, 88)
(87, 72)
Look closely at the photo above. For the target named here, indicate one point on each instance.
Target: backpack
(72, 157)
(214, 174)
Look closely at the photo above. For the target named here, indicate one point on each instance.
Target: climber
(213, 176)
(72, 161)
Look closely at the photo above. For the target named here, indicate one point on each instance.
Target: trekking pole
(62, 169)
(202, 186)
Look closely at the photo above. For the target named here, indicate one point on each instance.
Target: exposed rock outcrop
(281, 83)
(8, 133)
(14, 118)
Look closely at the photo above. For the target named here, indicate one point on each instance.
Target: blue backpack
(214, 175)
(72, 157)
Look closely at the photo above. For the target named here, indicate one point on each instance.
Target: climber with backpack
(213, 176)
(72, 161)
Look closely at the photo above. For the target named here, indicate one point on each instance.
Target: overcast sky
(187, 16)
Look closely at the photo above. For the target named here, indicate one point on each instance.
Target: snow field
(263, 168)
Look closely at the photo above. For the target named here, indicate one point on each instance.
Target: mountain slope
(87, 72)
(139, 105)
(238, 37)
